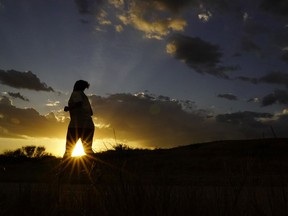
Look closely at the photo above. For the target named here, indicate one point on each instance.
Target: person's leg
(87, 140)
(71, 139)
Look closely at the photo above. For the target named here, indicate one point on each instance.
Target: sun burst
(78, 150)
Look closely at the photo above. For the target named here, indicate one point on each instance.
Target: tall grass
(141, 199)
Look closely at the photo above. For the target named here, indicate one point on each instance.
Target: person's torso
(80, 116)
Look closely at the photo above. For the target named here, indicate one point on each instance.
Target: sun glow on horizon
(78, 149)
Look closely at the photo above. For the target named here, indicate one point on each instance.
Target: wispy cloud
(254, 28)
(52, 103)
(275, 78)
(250, 46)
(151, 18)
(254, 100)
(228, 96)
(23, 80)
(17, 95)
(156, 19)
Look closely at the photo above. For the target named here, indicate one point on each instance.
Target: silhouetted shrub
(28, 152)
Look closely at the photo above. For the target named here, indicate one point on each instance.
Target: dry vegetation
(220, 178)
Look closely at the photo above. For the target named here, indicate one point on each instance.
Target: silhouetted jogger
(81, 125)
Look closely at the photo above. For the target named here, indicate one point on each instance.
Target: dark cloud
(249, 46)
(23, 80)
(152, 122)
(146, 119)
(88, 6)
(19, 122)
(17, 95)
(276, 35)
(248, 79)
(198, 54)
(237, 54)
(221, 5)
(279, 7)
(279, 38)
(245, 119)
(277, 97)
(228, 96)
(285, 57)
(252, 28)
(275, 77)
(83, 6)
(249, 124)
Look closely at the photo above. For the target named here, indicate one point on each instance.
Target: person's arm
(74, 102)
(73, 106)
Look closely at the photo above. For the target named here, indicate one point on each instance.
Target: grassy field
(127, 199)
(246, 177)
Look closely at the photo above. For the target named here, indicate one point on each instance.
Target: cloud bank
(145, 120)
(17, 122)
(158, 121)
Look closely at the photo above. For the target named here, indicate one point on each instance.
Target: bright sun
(78, 150)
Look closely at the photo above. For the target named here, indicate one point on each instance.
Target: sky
(162, 73)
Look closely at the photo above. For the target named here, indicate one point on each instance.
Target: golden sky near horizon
(162, 73)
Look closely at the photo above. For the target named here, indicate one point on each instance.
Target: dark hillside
(264, 160)
(223, 178)
(260, 162)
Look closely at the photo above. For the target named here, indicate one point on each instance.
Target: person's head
(81, 85)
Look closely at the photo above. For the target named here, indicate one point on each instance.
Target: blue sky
(227, 59)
